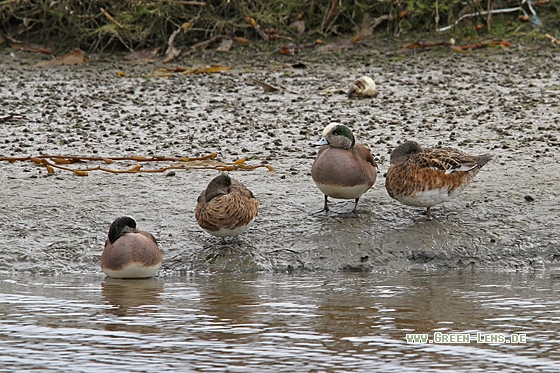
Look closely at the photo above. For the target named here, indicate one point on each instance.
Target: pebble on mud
(528, 198)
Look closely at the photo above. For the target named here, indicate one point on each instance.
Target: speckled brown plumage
(226, 207)
(426, 177)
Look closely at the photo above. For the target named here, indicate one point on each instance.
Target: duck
(425, 177)
(362, 88)
(344, 168)
(130, 252)
(226, 207)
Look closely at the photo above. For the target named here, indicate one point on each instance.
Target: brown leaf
(72, 58)
(187, 25)
(356, 39)
(404, 13)
(458, 50)
(240, 161)
(80, 172)
(108, 161)
(241, 40)
(424, 45)
(36, 160)
(251, 21)
(135, 168)
(50, 169)
(290, 49)
(206, 70)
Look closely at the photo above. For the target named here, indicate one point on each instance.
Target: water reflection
(127, 296)
(254, 322)
(133, 301)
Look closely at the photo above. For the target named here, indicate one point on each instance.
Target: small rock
(528, 198)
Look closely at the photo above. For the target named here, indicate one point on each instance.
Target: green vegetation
(97, 25)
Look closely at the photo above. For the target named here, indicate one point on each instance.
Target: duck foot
(351, 214)
(325, 207)
(428, 213)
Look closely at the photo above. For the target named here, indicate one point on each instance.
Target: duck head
(338, 136)
(403, 151)
(363, 87)
(121, 226)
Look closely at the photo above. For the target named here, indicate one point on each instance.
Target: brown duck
(424, 177)
(343, 169)
(129, 252)
(226, 207)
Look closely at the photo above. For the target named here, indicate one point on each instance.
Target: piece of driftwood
(134, 164)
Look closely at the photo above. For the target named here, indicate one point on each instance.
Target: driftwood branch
(63, 162)
(173, 52)
(552, 39)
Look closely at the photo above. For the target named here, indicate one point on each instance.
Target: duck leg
(355, 205)
(429, 213)
(325, 207)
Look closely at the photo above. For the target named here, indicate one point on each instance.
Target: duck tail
(481, 160)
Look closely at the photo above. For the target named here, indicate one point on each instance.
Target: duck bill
(352, 90)
(321, 142)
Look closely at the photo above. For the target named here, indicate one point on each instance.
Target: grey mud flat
(504, 101)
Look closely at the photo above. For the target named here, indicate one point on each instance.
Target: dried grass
(97, 25)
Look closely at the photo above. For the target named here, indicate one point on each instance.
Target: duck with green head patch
(130, 252)
(343, 169)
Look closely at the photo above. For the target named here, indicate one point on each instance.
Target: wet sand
(504, 101)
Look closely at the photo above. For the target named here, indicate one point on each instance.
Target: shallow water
(277, 322)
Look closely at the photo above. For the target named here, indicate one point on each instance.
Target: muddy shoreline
(499, 100)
